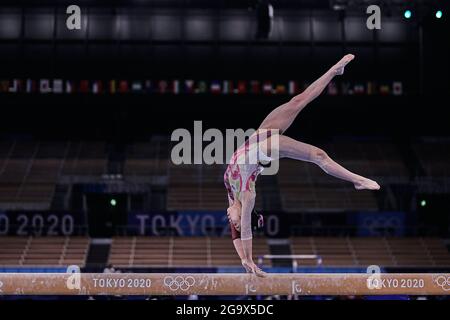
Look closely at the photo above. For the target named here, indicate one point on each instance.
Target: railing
(293, 257)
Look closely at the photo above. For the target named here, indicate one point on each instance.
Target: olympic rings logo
(179, 282)
(443, 282)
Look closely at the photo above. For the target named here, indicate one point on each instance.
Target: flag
(176, 86)
(255, 87)
(162, 86)
(30, 86)
(280, 89)
(70, 86)
(215, 87)
(58, 86)
(136, 86)
(44, 86)
(384, 89)
(4, 86)
(359, 89)
(97, 87)
(267, 87)
(123, 86)
(227, 87)
(189, 86)
(112, 86)
(293, 87)
(16, 86)
(84, 86)
(242, 87)
(148, 86)
(370, 88)
(397, 88)
(332, 89)
(202, 87)
(346, 90)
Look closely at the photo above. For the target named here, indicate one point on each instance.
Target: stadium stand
(43, 251)
(384, 252)
(177, 252)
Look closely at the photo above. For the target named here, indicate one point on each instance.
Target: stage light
(113, 202)
(439, 14)
(423, 203)
(407, 14)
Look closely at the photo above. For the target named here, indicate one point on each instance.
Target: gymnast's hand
(251, 267)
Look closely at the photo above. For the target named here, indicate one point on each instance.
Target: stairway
(280, 247)
(98, 253)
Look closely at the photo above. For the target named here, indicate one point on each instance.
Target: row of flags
(291, 87)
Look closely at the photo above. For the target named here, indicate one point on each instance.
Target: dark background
(209, 40)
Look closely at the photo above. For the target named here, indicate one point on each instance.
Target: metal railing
(293, 257)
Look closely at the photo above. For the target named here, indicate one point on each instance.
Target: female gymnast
(240, 176)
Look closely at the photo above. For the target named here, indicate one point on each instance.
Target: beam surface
(223, 284)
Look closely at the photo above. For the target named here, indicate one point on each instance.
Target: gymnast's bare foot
(339, 67)
(366, 184)
(251, 267)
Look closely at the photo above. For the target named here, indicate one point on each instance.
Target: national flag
(332, 89)
(162, 86)
(267, 87)
(293, 87)
(4, 86)
(70, 88)
(280, 89)
(227, 87)
(44, 86)
(242, 87)
(215, 87)
(58, 86)
(397, 88)
(346, 90)
(148, 87)
(370, 88)
(189, 86)
(97, 87)
(255, 87)
(112, 86)
(123, 86)
(358, 89)
(15, 86)
(384, 89)
(30, 86)
(176, 87)
(202, 87)
(84, 86)
(136, 86)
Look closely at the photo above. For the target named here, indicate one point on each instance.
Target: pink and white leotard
(244, 167)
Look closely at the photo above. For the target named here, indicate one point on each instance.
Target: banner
(40, 223)
(195, 223)
(380, 224)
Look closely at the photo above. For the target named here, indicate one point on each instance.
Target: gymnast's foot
(339, 67)
(366, 184)
(251, 267)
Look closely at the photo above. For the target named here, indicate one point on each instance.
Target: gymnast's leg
(290, 148)
(248, 203)
(282, 117)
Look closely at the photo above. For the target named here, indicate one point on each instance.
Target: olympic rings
(179, 282)
(443, 282)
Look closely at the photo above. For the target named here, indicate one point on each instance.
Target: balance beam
(223, 284)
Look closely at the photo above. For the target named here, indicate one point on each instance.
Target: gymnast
(240, 175)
